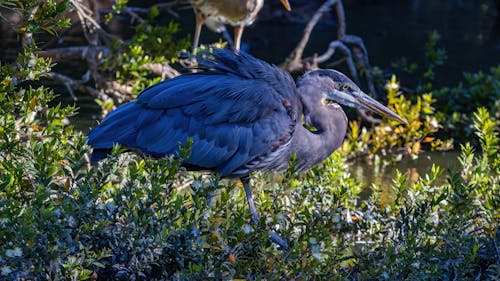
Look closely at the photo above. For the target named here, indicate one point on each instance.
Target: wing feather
(236, 110)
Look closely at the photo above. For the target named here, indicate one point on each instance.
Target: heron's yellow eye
(345, 87)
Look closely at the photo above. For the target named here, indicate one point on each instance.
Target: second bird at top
(216, 13)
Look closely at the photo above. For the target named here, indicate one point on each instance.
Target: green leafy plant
(150, 44)
(148, 219)
(434, 56)
(392, 137)
(457, 104)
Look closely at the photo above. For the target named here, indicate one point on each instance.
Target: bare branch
(347, 56)
(164, 70)
(351, 46)
(368, 117)
(56, 39)
(134, 12)
(293, 61)
(72, 84)
(361, 55)
(341, 20)
(71, 53)
(135, 17)
(337, 62)
(90, 21)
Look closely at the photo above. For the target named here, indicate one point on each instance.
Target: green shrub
(457, 104)
(393, 138)
(146, 219)
(127, 219)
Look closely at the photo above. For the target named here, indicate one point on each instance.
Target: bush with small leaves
(148, 219)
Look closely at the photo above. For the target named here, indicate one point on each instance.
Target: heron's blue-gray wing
(237, 111)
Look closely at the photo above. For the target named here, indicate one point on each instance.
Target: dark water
(382, 176)
(392, 29)
(469, 29)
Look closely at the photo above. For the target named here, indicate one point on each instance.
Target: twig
(295, 61)
(93, 57)
(361, 55)
(347, 56)
(72, 53)
(88, 22)
(28, 36)
(56, 39)
(72, 84)
(168, 6)
(131, 12)
(341, 20)
(335, 63)
(368, 117)
(164, 70)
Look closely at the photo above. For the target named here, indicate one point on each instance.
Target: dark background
(391, 30)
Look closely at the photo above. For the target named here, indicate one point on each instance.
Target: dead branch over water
(351, 46)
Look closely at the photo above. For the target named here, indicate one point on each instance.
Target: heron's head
(336, 88)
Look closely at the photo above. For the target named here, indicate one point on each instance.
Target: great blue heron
(242, 115)
(216, 13)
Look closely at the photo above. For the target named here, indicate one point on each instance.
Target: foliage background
(139, 218)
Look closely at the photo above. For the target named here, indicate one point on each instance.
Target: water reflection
(382, 176)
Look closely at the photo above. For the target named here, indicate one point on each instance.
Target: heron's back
(239, 112)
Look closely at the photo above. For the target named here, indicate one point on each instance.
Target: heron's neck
(312, 148)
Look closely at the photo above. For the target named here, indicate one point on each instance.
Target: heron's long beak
(286, 5)
(361, 100)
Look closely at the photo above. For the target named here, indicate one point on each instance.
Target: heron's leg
(199, 24)
(238, 31)
(255, 216)
(248, 193)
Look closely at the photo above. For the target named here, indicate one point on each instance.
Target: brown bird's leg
(255, 216)
(238, 31)
(199, 24)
